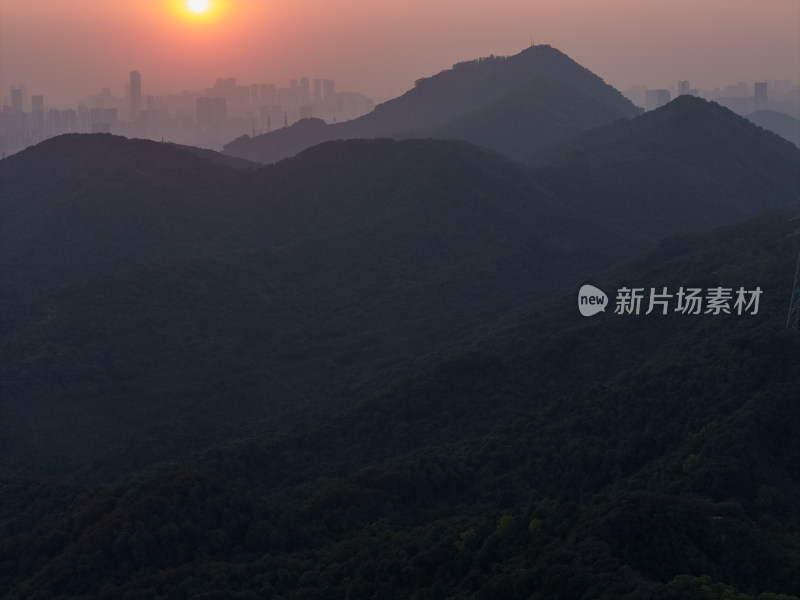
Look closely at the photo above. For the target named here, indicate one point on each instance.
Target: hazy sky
(67, 49)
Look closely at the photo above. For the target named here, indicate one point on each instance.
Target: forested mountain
(361, 372)
(165, 302)
(515, 105)
(639, 170)
(620, 456)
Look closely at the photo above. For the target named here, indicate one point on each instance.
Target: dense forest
(630, 456)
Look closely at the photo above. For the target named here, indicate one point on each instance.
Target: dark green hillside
(617, 456)
(84, 205)
(162, 302)
(181, 317)
(498, 102)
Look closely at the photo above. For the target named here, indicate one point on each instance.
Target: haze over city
(66, 50)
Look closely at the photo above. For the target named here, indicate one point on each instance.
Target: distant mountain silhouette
(516, 105)
(687, 166)
(779, 123)
(536, 116)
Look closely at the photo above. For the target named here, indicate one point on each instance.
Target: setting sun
(199, 12)
(198, 6)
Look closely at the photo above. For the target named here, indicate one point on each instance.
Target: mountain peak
(484, 101)
(687, 124)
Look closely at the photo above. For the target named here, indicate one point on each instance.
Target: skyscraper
(655, 98)
(211, 111)
(136, 95)
(37, 108)
(760, 96)
(328, 90)
(16, 99)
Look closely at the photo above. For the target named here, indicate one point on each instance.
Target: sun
(197, 6)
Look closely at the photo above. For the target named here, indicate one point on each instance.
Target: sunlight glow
(198, 12)
(198, 6)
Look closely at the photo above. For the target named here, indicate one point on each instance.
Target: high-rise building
(684, 89)
(54, 126)
(267, 93)
(317, 90)
(760, 96)
(328, 92)
(16, 99)
(305, 90)
(655, 98)
(136, 95)
(211, 111)
(37, 108)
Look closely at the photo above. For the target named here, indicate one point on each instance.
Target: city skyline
(61, 50)
(208, 118)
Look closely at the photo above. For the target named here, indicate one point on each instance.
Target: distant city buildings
(135, 92)
(16, 99)
(760, 95)
(208, 118)
(211, 112)
(214, 116)
(684, 89)
(655, 98)
(742, 98)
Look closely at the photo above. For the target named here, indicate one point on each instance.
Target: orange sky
(67, 49)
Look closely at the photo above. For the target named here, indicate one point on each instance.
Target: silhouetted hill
(536, 116)
(618, 456)
(189, 296)
(779, 123)
(549, 95)
(686, 166)
(83, 205)
(150, 294)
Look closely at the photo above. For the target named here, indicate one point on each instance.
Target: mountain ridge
(688, 139)
(314, 271)
(438, 105)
